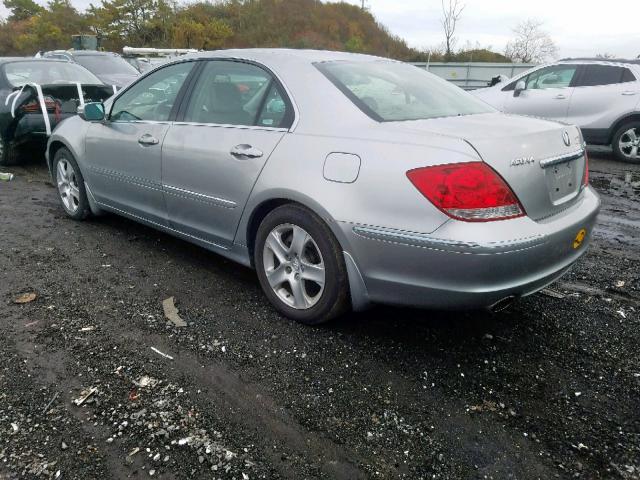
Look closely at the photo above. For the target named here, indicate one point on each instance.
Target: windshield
(106, 64)
(393, 91)
(48, 72)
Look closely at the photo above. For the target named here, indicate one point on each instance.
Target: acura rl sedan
(344, 180)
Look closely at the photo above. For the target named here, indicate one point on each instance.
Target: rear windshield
(106, 64)
(394, 91)
(47, 72)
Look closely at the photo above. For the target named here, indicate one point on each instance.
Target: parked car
(23, 83)
(343, 179)
(109, 67)
(602, 97)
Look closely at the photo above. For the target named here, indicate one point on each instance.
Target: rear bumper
(30, 132)
(31, 141)
(469, 265)
(32, 125)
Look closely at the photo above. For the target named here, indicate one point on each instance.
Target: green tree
(191, 34)
(354, 44)
(207, 24)
(22, 9)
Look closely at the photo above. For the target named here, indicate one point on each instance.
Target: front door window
(152, 98)
(551, 77)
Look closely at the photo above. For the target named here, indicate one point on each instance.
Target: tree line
(199, 25)
(211, 25)
(530, 44)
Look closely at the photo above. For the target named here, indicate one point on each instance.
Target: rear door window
(595, 75)
(274, 109)
(237, 93)
(627, 76)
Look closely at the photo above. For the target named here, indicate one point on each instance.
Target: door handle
(629, 93)
(559, 97)
(148, 139)
(245, 151)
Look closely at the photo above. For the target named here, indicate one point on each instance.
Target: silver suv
(602, 97)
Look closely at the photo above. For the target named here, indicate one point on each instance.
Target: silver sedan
(344, 180)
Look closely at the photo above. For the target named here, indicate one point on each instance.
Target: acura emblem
(566, 138)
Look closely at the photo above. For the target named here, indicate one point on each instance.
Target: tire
(8, 154)
(295, 271)
(626, 142)
(70, 185)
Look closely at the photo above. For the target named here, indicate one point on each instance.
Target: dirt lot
(548, 389)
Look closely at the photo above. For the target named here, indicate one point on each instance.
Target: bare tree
(531, 43)
(451, 12)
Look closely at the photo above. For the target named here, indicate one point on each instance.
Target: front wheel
(626, 142)
(70, 185)
(300, 266)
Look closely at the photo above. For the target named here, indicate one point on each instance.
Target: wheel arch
(255, 219)
(268, 202)
(52, 149)
(631, 117)
(260, 209)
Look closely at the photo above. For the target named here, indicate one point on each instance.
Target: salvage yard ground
(96, 384)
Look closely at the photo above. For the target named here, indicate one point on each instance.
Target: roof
(80, 53)
(284, 55)
(603, 60)
(29, 59)
(85, 53)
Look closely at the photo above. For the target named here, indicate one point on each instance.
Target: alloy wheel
(294, 266)
(629, 143)
(68, 185)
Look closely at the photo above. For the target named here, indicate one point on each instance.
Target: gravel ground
(95, 384)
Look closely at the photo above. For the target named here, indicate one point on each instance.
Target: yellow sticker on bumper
(579, 238)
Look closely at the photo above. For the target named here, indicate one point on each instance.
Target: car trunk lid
(543, 162)
(61, 101)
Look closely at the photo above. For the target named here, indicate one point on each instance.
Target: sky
(579, 27)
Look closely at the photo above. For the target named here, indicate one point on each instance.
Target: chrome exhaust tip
(502, 304)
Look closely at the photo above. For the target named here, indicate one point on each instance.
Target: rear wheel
(300, 266)
(8, 154)
(70, 184)
(626, 142)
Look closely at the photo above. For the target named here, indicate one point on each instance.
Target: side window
(236, 93)
(627, 76)
(512, 86)
(601, 75)
(551, 77)
(274, 109)
(153, 97)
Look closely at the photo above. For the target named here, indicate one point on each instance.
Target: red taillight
(34, 106)
(472, 191)
(585, 178)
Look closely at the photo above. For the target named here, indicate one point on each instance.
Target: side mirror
(91, 112)
(520, 86)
